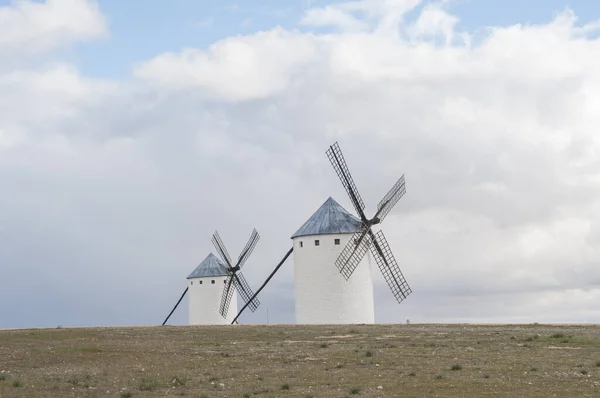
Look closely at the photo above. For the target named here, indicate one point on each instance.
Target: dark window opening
(200, 282)
(213, 281)
(301, 245)
(316, 242)
(337, 241)
(192, 282)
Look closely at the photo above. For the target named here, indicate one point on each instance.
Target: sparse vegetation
(177, 381)
(355, 390)
(85, 349)
(79, 381)
(285, 386)
(260, 360)
(324, 345)
(147, 384)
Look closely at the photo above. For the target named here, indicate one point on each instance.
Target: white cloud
(239, 68)
(498, 140)
(31, 27)
(434, 21)
(332, 16)
(382, 16)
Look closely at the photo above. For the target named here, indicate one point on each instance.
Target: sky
(131, 131)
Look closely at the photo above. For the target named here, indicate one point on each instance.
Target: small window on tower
(301, 244)
(336, 241)
(213, 281)
(200, 282)
(192, 282)
(225, 282)
(316, 242)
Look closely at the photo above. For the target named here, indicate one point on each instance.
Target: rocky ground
(303, 361)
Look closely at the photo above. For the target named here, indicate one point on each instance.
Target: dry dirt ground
(303, 361)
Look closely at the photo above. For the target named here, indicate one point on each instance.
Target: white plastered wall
(322, 294)
(205, 299)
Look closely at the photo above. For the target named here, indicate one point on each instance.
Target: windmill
(332, 235)
(364, 238)
(235, 277)
(209, 303)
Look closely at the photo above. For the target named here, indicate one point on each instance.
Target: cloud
(116, 186)
(31, 27)
(241, 68)
(380, 16)
(332, 16)
(434, 21)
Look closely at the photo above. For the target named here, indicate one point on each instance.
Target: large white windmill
(333, 241)
(213, 283)
(333, 236)
(321, 295)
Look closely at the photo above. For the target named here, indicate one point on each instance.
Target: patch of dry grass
(302, 361)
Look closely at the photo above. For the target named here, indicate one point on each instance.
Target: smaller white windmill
(212, 286)
(206, 285)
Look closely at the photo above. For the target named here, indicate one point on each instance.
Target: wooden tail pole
(173, 310)
(263, 285)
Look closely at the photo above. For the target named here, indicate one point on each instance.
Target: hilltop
(302, 361)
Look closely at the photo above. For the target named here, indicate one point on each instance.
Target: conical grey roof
(330, 218)
(210, 266)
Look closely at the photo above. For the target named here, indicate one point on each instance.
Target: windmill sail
(390, 199)
(228, 292)
(334, 153)
(354, 251)
(389, 267)
(364, 238)
(236, 280)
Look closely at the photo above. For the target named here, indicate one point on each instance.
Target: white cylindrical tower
(322, 294)
(205, 290)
